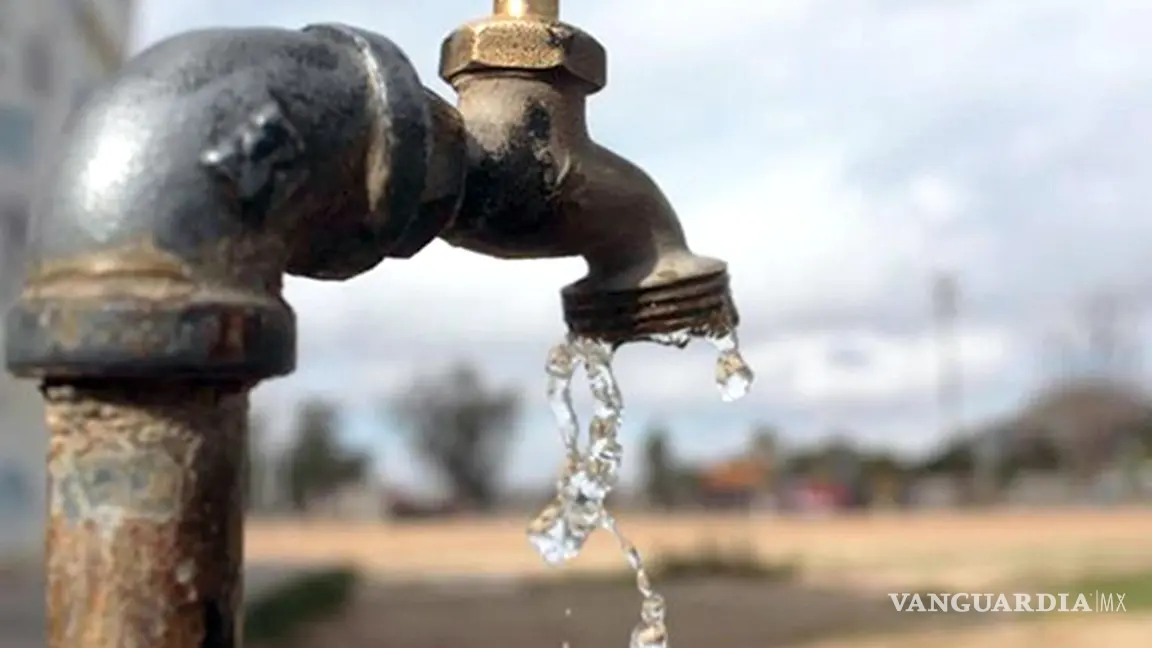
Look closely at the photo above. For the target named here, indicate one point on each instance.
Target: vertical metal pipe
(154, 301)
(145, 521)
(546, 9)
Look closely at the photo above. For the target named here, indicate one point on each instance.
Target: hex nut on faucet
(502, 43)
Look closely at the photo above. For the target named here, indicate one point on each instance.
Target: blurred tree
(1037, 454)
(462, 427)
(804, 462)
(955, 458)
(688, 485)
(317, 465)
(660, 477)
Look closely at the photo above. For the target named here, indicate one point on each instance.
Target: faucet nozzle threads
(701, 306)
(543, 9)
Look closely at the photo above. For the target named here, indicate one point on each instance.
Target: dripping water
(567, 614)
(733, 375)
(560, 531)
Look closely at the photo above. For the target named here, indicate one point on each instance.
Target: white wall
(46, 65)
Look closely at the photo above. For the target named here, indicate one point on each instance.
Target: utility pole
(950, 380)
(1112, 336)
(1102, 313)
(945, 308)
(1113, 351)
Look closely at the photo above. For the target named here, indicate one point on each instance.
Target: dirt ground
(937, 549)
(1111, 632)
(716, 615)
(462, 584)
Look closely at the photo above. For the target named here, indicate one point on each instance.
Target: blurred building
(733, 483)
(52, 53)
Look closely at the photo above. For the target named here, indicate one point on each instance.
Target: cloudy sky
(836, 153)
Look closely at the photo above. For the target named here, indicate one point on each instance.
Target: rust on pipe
(145, 523)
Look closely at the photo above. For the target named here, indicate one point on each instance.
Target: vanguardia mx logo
(1096, 601)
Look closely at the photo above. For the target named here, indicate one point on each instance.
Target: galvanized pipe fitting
(214, 163)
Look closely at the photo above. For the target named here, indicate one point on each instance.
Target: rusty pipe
(145, 543)
(539, 186)
(213, 163)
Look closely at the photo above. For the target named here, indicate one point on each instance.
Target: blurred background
(935, 218)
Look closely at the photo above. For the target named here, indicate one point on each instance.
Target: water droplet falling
(568, 615)
(561, 529)
(559, 532)
(734, 377)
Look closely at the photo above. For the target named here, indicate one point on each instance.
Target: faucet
(538, 185)
(217, 161)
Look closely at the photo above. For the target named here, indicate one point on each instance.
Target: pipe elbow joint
(538, 186)
(213, 163)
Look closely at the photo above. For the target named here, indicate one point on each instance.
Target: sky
(837, 153)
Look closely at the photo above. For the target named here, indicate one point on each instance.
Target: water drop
(734, 377)
(554, 536)
(651, 632)
(561, 366)
(567, 614)
(560, 530)
(678, 339)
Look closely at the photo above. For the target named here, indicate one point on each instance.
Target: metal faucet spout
(539, 186)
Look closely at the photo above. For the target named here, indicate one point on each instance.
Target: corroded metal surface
(145, 530)
(700, 306)
(226, 158)
(539, 186)
(257, 152)
(153, 300)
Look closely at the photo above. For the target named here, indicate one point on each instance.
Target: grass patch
(714, 561)
(706, 562)
(1136, 588)
(298, 602)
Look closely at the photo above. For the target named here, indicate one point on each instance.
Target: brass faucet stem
(542, 9)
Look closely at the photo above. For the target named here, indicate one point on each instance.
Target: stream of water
(592, 469)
